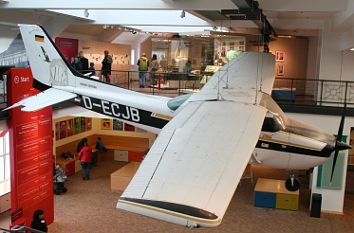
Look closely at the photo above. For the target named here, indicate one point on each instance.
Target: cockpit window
(272, 123)
(174, 103)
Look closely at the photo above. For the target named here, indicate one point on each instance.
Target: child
(92, 69)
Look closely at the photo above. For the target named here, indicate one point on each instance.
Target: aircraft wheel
(292, 185)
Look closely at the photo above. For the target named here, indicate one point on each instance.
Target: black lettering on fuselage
(87, 102)
(111, 109)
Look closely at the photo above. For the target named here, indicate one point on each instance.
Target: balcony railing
(290, 91)
(316, 92)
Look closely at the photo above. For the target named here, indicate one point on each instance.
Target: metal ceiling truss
(249, 10)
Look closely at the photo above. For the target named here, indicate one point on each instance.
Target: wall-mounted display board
(223, 46)
(118, 125)
(68, 47)
(67, 128)
(106, 124)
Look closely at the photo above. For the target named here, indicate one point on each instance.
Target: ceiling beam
(120, 4)
(304, 5)
(249, 10)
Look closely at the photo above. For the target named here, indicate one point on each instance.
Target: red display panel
(68, 47)
(31, 153)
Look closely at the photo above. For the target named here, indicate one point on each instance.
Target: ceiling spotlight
(86, 13)
(352, 49)
(183, 14)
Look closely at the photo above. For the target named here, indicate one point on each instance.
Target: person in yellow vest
(143, 66)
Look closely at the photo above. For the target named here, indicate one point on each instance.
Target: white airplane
(205, 139)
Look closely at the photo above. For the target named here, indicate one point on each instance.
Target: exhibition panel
(170, 107)
(31, 152)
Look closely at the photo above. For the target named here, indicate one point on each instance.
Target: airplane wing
(191, 172)
(44, 99)
(193, 168)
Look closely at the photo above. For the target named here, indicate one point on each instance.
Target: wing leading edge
(44, 99)
(191, 172)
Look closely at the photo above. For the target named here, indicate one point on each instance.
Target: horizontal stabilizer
(43, 99)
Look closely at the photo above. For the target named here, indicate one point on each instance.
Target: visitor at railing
(187, 67)
(154, 69)
(143, 66)
(91, 69)
(106, 67)
(80, 63)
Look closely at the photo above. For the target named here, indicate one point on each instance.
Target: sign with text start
(31, 153)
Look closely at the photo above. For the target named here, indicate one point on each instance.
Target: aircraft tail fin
(48, 65)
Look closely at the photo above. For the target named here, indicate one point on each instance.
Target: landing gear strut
(292, 184)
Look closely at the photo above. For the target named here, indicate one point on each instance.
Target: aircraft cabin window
(174, 103)
(272, 123)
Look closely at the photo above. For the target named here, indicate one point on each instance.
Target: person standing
(143, 66)
(80, 145)
(92, 69)
(85, 157)
(154, 68)
(99, 147)
(187, 67)
(107, 66)
(80, 63)
(38, 221)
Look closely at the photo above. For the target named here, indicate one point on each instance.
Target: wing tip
(170, 212)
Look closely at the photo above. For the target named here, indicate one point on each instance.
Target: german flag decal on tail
(39, 38)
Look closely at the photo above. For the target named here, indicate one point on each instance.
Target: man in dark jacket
(106, 66)
(80, 63)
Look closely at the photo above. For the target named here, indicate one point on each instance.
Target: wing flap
(201, 162)
(143, 176)
(44, 99)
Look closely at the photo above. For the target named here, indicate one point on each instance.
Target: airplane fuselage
(279, 149)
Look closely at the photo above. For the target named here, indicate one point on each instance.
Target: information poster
(31, 153)
(77, 125)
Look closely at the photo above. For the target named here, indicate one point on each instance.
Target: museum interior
(141, 127)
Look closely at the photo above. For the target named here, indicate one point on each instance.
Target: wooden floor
(89, 206)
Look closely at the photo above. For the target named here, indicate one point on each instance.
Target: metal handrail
(21, 229)
(300, 91)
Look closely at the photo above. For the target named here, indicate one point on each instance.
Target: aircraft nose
(342, 146)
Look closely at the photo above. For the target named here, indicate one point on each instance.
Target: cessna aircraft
(205, 139)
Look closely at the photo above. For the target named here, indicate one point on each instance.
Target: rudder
(48, 65)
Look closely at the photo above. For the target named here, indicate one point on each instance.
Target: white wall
(336, 61)
(332, 200)
(313, 58)
(348, 65)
